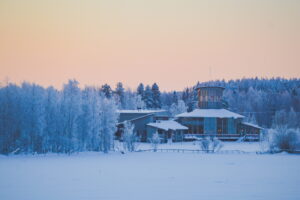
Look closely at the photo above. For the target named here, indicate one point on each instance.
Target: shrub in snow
(204, 144)
(283, 139)
(210, 144)
(216, 144)
(130, 138)
(155, 141)
(264, 141)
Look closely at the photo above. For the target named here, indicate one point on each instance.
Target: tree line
(41, 120)
(38, 119)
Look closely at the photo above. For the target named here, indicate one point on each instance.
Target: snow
(253, 125)
(168, 125)
(250, 147)
(219, 113)
(140, 111)
(149, 175)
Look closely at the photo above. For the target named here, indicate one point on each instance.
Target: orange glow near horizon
(172, 42)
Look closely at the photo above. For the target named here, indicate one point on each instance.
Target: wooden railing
(223, 136)
(194, 151)
(211, 151)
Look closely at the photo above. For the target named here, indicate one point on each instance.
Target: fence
(211, 151)
(194, 151)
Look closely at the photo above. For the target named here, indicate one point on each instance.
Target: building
(211, 118)
(168, 130)
(140, 119)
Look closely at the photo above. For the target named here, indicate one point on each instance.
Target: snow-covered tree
(90, 123)
(10, 119)
(37, 119)
(71, 110)
(140, 104)
(178, 108)
(293, 119)
(280, 119)
(53, 129)
(129, 100)
(252, 119)
(32, 114)
(155, 140)
(108, 121)
(130, 137)
(283, 139)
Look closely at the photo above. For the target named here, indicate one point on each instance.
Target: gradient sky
(174, 43)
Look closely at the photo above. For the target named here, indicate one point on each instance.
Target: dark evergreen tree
(156, 96)
(106, 90)
(140, 91)
(166, 100)
(148, 98)
(175, 97)
(120, 92)
(185, 95)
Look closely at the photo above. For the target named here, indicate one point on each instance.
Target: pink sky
(173, 43)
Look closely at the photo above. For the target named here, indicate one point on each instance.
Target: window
(222, 125)
(190, 129)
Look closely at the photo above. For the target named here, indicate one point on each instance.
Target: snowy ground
(148, 175)
(241, 146)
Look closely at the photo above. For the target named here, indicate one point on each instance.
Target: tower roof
(199, 87)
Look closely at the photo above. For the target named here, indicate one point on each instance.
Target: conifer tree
(106, 90)
(120, 92)
(148, 97)
(156, 96)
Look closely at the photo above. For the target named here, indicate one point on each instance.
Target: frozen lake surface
(148, 175)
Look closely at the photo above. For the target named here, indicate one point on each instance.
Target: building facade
(210, 119)
(140, 119)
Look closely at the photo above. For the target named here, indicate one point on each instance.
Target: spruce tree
(156, 96)
(140, 91)
(148, 97)
(175, 97)
(120, 93)
(106, 90)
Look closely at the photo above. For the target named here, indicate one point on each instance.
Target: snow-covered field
(241, 146)
(148, 175)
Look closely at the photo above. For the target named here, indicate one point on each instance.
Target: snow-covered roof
(253, 125)
(219, 113)
(168, 125)
(140, 111)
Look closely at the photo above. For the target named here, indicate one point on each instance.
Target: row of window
(210, 98)
(213, 92)
(192, 119)
(195, 129)
(222, 125)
